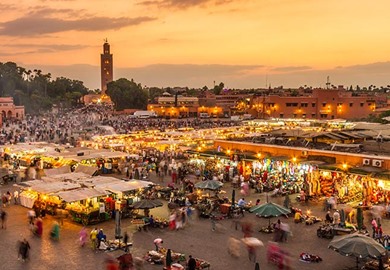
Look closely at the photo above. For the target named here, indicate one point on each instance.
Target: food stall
(125, 193)
(85, 205)
(38, 194)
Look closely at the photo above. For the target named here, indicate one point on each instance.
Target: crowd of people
(67, 125)
(168, 167)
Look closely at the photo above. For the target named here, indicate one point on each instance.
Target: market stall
(85, 205)
(125, 193)
(38, 193)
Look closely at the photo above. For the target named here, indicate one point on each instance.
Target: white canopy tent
(80, 194)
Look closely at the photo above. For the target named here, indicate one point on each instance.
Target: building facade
(320, 104)
(220, 105)
(9, 110)
(175, 106)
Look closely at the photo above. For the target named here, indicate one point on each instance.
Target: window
(304, 115)
(294, 115)
(291, 104)
(281, 115)
(313, 115)
(323, 104)
(339, 104)
(350, 104)
(361, 104)
(324, 116)
(313, 105)
(304, 104)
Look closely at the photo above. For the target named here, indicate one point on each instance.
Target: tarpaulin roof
(90, 170)
(53, 187)
(80, 194)
(56, 171)
(76, 176)
(99, 181)
(124, 186)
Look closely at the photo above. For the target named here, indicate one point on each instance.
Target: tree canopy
(35, 89)
(127, 94)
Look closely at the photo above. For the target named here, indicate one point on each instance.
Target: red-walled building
(317, 104)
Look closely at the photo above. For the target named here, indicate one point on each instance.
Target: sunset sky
(244, 43)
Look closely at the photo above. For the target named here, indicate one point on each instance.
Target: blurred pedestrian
(16, 197)
(125, 261)
(285, 231)
(55, 231)
(4, 200)
(4, 217)
(23, 249)
(38, 228)
(374, 225)
(125, 241)
(83, 236)
(336, 217)
(234, 247)
(9, 197)
(111, 264)
(31, 216)
(277, 231)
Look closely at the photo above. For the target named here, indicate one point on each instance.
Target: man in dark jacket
(191, 264)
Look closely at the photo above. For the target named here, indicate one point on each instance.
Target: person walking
(83, 236)
(24, 247)
(16, 197)
(93, 238)
(9, 197)
(4, 200)
(3, 215)
(191, 264)
(125, 261)
(31, 216)
(125, 241)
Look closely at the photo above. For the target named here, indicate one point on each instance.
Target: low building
(175, 106)
(9, 110)
(324, 104)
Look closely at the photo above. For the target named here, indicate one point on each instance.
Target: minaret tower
(106, 67)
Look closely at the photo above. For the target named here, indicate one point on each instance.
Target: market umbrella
(357, 245)
(168, 258)
(269, 210)
(209, 184)
(147, 204)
